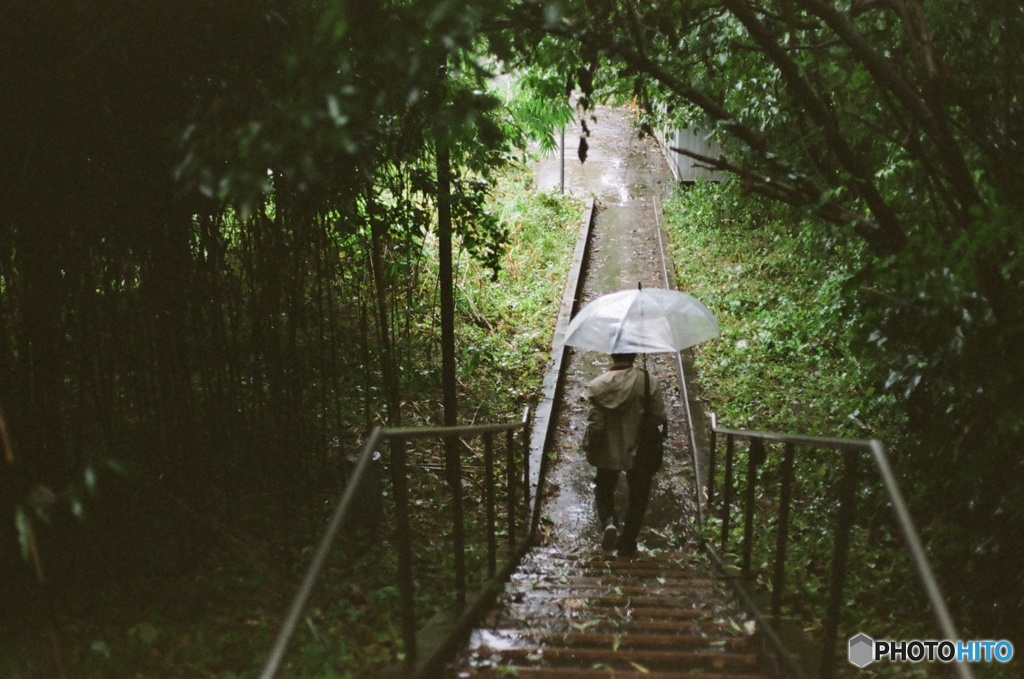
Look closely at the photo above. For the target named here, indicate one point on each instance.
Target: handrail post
(510, 486)
(454, 466)
(727, 491)
(711, 467)
(844, 523)
(526, 469)
(492, 545)
(755, 455)
(782, 538)
(406, 586)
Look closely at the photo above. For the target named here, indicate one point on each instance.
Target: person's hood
(615, 387)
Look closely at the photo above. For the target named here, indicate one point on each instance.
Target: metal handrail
(852, 450)
(397, 436)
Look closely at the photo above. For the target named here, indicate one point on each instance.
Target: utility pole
(561, 148)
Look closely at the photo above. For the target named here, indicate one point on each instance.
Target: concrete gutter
(545, 414)
(700, 438)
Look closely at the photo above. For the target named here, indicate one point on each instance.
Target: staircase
(590, 615)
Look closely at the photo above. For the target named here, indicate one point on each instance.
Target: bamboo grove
(213, 251)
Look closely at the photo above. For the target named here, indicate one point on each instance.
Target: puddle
(486, 641)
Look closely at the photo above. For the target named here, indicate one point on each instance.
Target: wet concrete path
(625, 174)
(568, 587)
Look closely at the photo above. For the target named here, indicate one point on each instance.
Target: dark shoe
(626, 548)
(609, 537)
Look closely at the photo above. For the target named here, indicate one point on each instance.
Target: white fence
(684, 168)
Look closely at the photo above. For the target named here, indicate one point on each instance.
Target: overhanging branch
(931, 117)
(888, 235)
(785, 192)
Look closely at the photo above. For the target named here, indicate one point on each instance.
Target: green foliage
(213, 223)
(539, 103)
(791, 359)
(858, 115)
(785, 360)
(506, 304)
(507, 344)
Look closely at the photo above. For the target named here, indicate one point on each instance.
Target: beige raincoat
(613, 425)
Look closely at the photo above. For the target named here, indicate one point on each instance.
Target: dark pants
(639, 492)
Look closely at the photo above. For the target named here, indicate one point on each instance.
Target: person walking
(615, 442)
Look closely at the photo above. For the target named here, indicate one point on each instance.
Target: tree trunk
(446, 281)
(387, 354)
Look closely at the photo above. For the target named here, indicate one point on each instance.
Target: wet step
(631, 639)
(639, 572)
(677, 627)
(587, 615)
(625, 585)
(674, 627)
(581, 673)
(610, 598)
(626, 658)
(624, 638)
(585, 586)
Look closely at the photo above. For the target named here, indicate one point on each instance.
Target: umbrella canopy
(642, 321)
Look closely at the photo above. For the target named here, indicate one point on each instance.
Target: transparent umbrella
(641, 321)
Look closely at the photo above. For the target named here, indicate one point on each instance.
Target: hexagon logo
(862, 650)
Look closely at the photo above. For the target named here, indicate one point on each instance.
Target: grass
(505, 352)
(787, 362)
(784, 361)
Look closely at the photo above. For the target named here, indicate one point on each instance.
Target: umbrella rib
(618, 334)
(622, 323)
